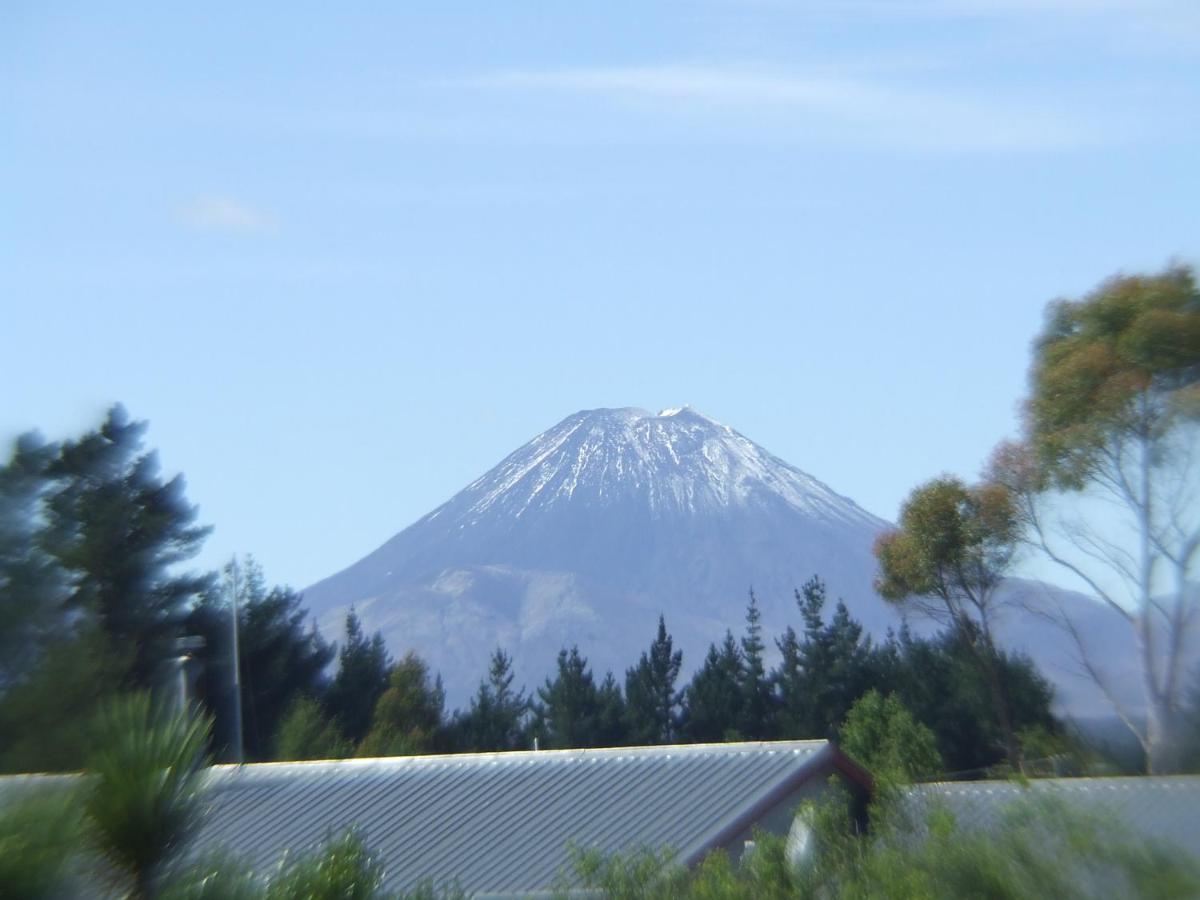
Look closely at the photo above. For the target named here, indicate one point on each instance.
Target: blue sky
(345, 261)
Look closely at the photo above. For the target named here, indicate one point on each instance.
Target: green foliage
(1038, 847)
(144, 796)
(757, 713)
(45, 719)
(611, 715)
(32, 585)
(408, 716)
(282, 657)
(496, 717)
(882, 736)
(39, 833)
(819, 678)
(306, 733)
(952, 550)
(1122, 361)
(214, 876)
(341, 869)
(361, 679)
(651, 699)
(1113, 417)
(91, 600)
(939, 681)
(120, 531)
(954, 545)
(712, 701)
(638, 875)
(574, 712)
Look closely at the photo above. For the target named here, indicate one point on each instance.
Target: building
(1160, 809)
(500, 824)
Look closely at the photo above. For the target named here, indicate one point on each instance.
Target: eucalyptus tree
(1106, 476)
(947, 559)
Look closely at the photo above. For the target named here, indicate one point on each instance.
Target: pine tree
(570, 704)
(756, 719)
(652, 700)
(713, 700)
(408, 719)
(610, 728)
(120, 531)
(32, 585)
(819, 679)
(281, 657)
(495, 719)
(361, 679)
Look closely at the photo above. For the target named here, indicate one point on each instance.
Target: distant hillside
(589, 531)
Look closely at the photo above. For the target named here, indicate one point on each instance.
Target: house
(1161, 809)
(501, 823)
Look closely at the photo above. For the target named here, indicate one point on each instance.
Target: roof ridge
(510, 756)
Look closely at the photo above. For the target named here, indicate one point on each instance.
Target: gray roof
(500, 823)
(1160, 808)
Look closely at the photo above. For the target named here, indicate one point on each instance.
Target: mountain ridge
(590, 530)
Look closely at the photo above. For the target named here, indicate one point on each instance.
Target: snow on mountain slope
(589, 531)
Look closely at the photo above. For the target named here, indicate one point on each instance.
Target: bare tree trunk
(1165, 739)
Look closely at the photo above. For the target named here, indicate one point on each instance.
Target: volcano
(590, 531)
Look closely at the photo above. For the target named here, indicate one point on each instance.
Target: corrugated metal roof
(500, 823)
(1162, 808)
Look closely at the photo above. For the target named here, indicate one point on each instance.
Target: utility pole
(233, 587)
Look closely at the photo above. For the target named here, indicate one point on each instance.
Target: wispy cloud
(221, 213)
(1000, 8)
(818, 105)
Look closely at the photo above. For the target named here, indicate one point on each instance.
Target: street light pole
(237, 675)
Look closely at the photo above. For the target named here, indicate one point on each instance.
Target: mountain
(589, 531)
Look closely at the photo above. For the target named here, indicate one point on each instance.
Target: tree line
(93, 604)
(376, 706)
(94, 599)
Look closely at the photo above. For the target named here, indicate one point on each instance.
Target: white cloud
(822, 106)
(220, 213)
(1001, 8)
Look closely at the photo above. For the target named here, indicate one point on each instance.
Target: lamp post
(233, 587)
(185, 647)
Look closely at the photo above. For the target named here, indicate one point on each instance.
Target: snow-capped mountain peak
(675, 463)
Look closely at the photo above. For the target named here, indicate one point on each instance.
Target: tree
(408, 715)
(144, 797)
(55, 664)
(120, 531)
(307, 733)
(651, 699)
(361, 679)
(948, 557)
(611, 714)
(91, 599)
(881, 735)
(939, 680)
(1112, 423)
(342, 868)
(819, 679)
(712, 702)
(45, 719)
(281, 656)
(32, 585)
(495, 719)
(570, 705)
(757, 710)
(39, 833)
